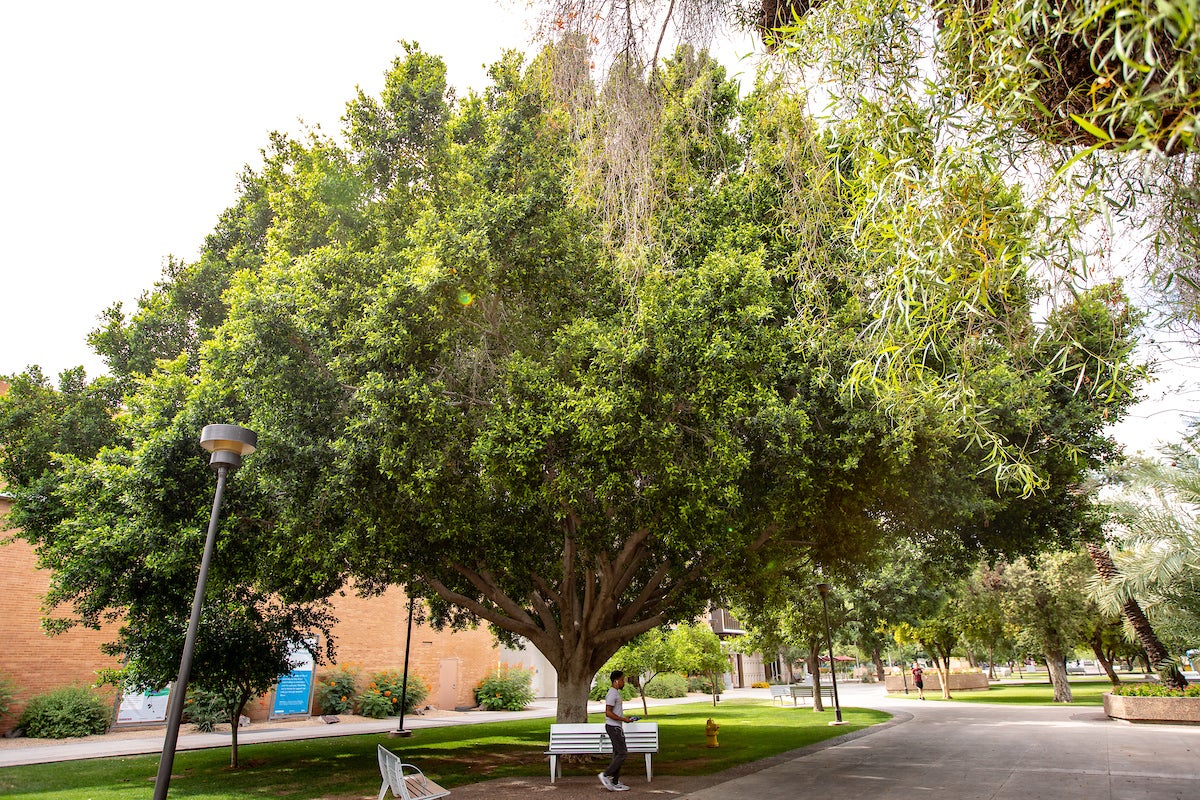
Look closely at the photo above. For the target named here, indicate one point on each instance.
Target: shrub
(206, 710)
(667, 684)
(63, 713)
(1155, 690)
(702, 683)
(337, 692)
(7, 690)
(600, 689)
(760, 685)
(382, 696)
(505, 688)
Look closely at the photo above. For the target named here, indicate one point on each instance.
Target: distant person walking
(614, 726)
(919, 679)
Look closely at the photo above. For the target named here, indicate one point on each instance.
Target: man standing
(614, 721)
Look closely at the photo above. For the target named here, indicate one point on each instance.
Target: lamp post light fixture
(823, 588)
(227, 443)
(400, 731)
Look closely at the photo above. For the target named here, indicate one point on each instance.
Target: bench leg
(383, 790)
(649, 769)
(553, 767)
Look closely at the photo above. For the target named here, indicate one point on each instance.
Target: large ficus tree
(474, 395)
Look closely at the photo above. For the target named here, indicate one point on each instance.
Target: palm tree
(1153, 576)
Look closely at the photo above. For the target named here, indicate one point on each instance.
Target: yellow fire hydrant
(710, 730)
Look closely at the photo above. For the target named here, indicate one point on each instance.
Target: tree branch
(487, 586)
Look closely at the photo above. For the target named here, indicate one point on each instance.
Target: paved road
(952, 751)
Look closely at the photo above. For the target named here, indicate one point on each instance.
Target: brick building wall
(29, 658)
(370, 636)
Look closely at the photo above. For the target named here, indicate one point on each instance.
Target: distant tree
(981, 612)
(704, 653)
(1045, 597)
(677, 649)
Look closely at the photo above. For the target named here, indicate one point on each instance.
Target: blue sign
(293, 692)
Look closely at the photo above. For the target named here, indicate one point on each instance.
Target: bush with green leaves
(1155, 690)
(667, 684)
(703, 683)
(7, 691)
(65, 713)
(338, 691)
(601, 686)
(507, 687)
(206, 710)
(383, 694)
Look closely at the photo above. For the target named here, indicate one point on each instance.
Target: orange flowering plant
(507, 687)
(382, 696)
(338, 690)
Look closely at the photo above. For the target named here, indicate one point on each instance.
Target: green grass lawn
(1083, 692)
(345, 767)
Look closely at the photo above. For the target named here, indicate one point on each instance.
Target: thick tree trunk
(814, 669)
(1057, 666)
(573, 688)
(1168, 672)
(1103, 660)
(880, 674)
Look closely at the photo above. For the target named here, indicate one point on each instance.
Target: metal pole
(837, 707)
(404, 685)
(175, 709)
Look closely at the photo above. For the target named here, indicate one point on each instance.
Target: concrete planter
(1174, 710)
(959, 681)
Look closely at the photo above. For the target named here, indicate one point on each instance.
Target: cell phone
(634, 719)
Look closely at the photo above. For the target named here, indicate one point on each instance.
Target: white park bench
(779, 691)
(410, 785)
(590, 738)
(805, 691)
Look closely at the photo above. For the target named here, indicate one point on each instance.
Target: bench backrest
(778, 690)
(413, 786)
(590, 737)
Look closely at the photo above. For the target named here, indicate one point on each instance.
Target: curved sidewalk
(952, 751)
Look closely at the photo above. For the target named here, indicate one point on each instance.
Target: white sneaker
(620, 787)
(607, 783)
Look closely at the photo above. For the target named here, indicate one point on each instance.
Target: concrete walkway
(952, 751)
(941, 751)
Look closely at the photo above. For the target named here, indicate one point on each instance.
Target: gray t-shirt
(613, 698)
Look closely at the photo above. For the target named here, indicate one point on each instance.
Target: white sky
(124, 125)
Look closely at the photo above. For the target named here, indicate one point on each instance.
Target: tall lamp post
(823, 588)
(400, 731)
(227, 443)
